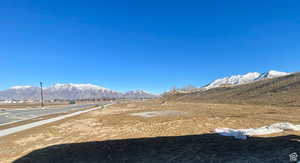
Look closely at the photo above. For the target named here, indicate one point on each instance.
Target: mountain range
(89, 91)
(68, 92)
(272, 88)
(243, 79)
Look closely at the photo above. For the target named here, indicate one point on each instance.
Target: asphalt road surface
(45, 121)
(14, 115)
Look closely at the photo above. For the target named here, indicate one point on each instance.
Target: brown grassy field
(157, 131)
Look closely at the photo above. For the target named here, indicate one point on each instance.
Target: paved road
(46, 121)
(21, 114)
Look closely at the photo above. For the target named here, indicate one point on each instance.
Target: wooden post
(42, 96)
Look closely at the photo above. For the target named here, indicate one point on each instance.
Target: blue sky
(151, 45)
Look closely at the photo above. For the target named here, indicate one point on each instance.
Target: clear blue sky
(151, 45)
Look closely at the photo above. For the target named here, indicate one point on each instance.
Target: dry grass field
(157, 131)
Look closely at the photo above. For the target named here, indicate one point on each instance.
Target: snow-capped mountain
(76, 86)
(21, 87)
(246, 78)
(68, 91)
(79, 91)
(272, 74)
(20, 93)
(138, 94)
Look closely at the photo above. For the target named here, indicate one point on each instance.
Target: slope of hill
(68, 91)
(246, 78)
(281, 91)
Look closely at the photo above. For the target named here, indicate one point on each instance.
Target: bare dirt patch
(157, 113)
(109, 133)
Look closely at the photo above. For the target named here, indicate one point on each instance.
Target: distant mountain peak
(69, 91)
(273, 74)
(139, 93)
(21, 87)
(246, 78)
(78, 86)
(251, 75)
(234, 80)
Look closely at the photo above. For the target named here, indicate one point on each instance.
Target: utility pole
(42, 96)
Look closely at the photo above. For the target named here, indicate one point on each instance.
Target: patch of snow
(272, 74)
(271, 129)
(78, 86)
(231, 132)
(21, 87)
(234, 80)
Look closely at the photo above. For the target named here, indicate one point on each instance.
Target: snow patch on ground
(157, 113)
(271, 129)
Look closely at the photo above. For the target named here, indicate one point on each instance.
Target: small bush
(72, 102)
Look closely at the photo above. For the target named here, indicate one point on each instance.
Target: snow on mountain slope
(21, 87)
(234, 80)
(20, 93)
(138, 94)
(272, 74)
(68, 91)
(76, 86)
(242, 79)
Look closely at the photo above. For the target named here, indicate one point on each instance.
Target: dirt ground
(152, 131)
